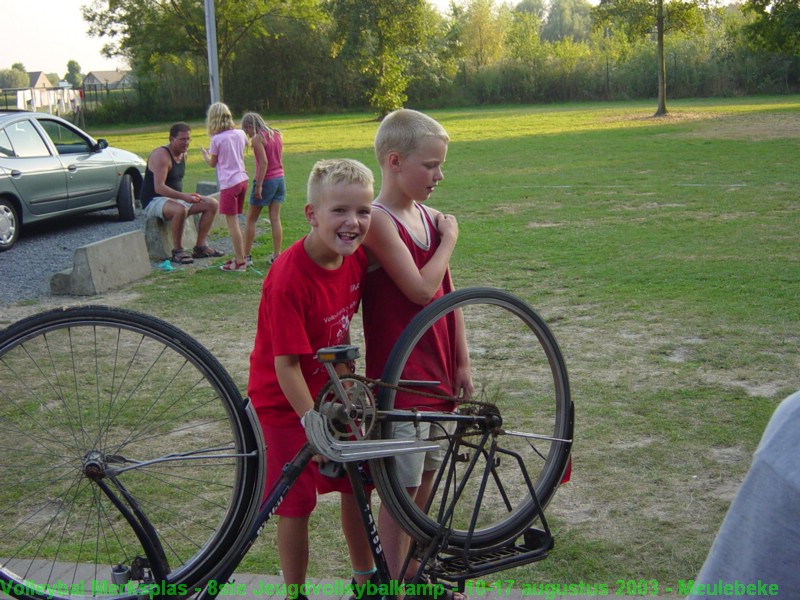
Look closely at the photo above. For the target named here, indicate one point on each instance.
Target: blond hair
(403, 131)
(219, 118)
(258, 124)
(334, 171)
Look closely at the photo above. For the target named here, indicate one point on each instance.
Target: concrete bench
(104, 265)
(158, 235)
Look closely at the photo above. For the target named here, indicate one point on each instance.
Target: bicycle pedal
(337, 354)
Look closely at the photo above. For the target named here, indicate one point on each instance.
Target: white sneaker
(271, 259)
(248, 260)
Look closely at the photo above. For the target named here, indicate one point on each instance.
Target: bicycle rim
(89, 390)
(483, 494)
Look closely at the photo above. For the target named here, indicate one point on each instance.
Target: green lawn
(662, 252)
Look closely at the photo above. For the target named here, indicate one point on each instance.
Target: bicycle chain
(399, 388)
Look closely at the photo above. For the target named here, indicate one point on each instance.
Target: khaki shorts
(155, 208)
(409, 467)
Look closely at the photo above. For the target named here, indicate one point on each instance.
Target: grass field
(662, 252)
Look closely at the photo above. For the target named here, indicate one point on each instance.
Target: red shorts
(231, 200)
(282, 445)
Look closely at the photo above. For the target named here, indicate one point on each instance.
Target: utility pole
(211, 42)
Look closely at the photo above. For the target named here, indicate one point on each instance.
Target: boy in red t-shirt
(412, 244)
(308, 299)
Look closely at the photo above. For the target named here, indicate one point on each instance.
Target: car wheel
(9, 225)
(125, 198)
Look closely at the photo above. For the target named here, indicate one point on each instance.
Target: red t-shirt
(387, 311)
(304, 307)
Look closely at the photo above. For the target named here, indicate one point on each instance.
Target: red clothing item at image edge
(303, 308)
(387, 311)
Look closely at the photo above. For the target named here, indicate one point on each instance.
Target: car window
(65, 139)
(25, 140)
(6, 151)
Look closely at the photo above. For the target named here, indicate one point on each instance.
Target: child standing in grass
(411, 245)
(309, 297)
(226, 154)
(269, 186)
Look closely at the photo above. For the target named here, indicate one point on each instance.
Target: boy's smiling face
(340, 222)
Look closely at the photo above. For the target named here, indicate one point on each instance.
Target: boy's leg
(293, 548)
(395, 542)
(356, 538)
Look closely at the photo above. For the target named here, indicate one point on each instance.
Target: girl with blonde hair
(269, 185)
(226, 154)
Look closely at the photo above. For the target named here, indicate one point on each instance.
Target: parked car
(50, 168)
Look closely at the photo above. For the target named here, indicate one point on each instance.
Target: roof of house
(107, 77)
(38, 79)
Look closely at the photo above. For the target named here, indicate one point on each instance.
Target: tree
(13, 79)
(776, 26)
(482, 31)
(380, 36)
(73, 76)
(568, 19)
(146, 32)
(641, 18)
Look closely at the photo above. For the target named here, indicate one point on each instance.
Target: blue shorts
(272, 190)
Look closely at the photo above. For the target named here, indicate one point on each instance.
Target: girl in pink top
(226, 153)
(269, 185)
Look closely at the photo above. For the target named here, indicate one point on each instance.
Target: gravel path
(47, 248)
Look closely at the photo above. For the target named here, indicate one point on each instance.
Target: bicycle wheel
(95, 396)
(481, 493)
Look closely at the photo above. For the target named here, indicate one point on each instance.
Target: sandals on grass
(182, 257)
(206, 252)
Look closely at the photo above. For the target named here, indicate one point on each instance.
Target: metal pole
(211, 42)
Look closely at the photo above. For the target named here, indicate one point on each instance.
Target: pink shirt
(228, 146)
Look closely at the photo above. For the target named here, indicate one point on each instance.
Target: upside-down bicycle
(130, 458)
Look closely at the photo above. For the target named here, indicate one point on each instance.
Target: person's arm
(462, 384)
(293, 384)
(160, 164)
(418, 285)
(261, 160)
(211, 159)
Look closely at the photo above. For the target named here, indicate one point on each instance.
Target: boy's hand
(447, 225)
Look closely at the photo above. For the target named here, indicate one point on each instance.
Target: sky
(46, 34)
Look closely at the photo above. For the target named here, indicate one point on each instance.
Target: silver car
(50, 168)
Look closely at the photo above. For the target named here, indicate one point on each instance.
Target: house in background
(38, 80)
(108, 80)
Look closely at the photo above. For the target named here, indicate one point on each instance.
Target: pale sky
(46, 34)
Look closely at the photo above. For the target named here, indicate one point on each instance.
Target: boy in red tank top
(309, 297)
(410, 247)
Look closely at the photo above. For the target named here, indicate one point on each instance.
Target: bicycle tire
(518, 368)
(98, 387)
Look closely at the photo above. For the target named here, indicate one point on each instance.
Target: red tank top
(386, 312)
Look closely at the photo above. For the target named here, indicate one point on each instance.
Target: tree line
(290, 56)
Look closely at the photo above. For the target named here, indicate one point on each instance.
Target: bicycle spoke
(93, 395)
